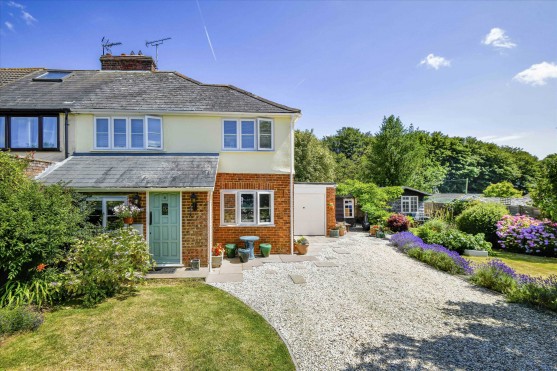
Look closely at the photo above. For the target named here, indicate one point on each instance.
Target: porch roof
(134, 171)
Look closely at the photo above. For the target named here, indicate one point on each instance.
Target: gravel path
(379, 309)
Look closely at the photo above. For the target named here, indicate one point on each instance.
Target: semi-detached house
(206, 163)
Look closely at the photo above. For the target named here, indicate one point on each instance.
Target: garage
(313, 208)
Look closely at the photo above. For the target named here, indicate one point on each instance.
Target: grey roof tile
(134, 171)
(133, 90)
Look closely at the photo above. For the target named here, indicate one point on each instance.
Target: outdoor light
(193, 199)
(136, 200)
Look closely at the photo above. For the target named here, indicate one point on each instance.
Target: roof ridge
(245, 92)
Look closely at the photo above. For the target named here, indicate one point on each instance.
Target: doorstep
(167, 272)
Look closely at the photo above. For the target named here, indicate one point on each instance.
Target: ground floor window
(103, 211)
(247, 207)
(349, 208)
(409, 204)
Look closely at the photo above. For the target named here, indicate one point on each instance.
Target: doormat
(163, 270)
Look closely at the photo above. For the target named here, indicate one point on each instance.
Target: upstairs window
(38, 133)
(247, 134)
(128, 132)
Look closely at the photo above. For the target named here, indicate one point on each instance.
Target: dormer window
(53, 76)
(135, 133)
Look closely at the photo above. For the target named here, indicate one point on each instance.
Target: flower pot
(244, 255)
(342, 232)
(216, 261)
(302, 249)
(334, 233)
(380, 234)
(265, 249)
(230, 250)
(128, 220)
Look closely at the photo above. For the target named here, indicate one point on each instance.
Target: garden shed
(314, 208)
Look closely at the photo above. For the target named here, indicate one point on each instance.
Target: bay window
(247, 134)
(247, 207)
(128, 132)
(38, 133)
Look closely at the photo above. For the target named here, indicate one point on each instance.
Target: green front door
(164, 227)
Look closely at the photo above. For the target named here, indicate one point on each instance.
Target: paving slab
(271, 259)
(297, 258)
(297, 279)
(325, 264)
(223, 278)
(252, 263)
(230, 268)
(341, 251)
(180, 273)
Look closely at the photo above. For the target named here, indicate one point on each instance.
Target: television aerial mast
(156, 44)
(107, 45)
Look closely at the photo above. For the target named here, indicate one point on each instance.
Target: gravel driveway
(379, 309)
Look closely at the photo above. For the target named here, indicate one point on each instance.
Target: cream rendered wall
(203, 134)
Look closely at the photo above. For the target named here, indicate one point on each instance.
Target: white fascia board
(182, 113)
(106, 190)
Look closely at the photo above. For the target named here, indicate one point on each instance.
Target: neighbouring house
(410, 203)
(206, 163)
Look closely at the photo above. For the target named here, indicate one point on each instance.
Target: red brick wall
(331, 218)
(279, 234)
(127, 63)
(35, 167)
(195, 225)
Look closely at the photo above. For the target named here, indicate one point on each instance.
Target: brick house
(206, 163)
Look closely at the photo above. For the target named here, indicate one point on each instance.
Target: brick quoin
(331, 199)
(279, 234)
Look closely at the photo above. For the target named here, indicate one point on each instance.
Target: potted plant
(218, 253)
(342, 229)
(373, 230)
(334, 232)
(126, 212)
(301, 245)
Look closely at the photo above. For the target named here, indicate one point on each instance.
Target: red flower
(41, 267)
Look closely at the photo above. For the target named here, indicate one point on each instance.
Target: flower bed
(527, 235)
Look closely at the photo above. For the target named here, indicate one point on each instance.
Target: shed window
(349, 208)
(409, 204)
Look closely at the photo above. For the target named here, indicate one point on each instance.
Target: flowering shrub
(398, 223)
(19, 319)
(495, 275)
(407, 241)
(126, 211)
(218, 249)
(105, 265)
(541, 292)
(481, 218)
(524, 234)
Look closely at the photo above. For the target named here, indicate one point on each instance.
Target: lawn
(521, 263)
(167, 325)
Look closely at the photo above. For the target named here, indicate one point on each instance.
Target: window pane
(247, 207)
(50, 132)
(154, 132)
(137, 133)
(24, 132)
(102, 133)
(248, 141)
(264, 200)
(96, 216)
(248, 127)
(229, 205)
(230, 127)
(265, 134)
(264, 208)
(265, 141)
(248, 134)
(120, 130)
(2, 132)
(230, 141)
(112, 221)
(265, 127)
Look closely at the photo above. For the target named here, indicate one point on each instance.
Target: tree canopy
(313, 162)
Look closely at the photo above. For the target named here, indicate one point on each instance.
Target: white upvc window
(247, 207)
(122, 133)
(103, 211)
(409, 204)
(349, 208)
(248, 134)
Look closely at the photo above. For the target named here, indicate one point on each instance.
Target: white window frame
(241, 135)
(238, 206)
(348, 201)
(128, 133)
(256, 144)
(408, 200)
(104, 200)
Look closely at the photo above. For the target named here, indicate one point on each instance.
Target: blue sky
(483, 69)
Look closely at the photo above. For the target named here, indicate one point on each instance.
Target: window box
(247, 208)
(128, 133)
(30, 132)
(248, 134)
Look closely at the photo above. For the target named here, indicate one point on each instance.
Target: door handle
(150, 217)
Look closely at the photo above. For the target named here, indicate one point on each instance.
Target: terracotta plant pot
(128, 220)
(342, 232)
(302, 249)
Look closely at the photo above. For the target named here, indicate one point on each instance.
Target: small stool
(265, 249)
(230, 250)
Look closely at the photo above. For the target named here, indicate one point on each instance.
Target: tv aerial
(156, 44)
(107, 45)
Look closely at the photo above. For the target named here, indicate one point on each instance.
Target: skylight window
(53, 76)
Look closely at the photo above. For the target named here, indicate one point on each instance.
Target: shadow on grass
(488, 336)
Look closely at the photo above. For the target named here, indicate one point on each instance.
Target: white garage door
(309, 214)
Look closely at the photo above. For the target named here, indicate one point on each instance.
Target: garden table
(249, 241)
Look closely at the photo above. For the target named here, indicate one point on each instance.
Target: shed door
(309, 214)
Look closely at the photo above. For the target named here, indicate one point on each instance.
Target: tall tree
(313, 162)
(349, 146)
(395, 156)
(544, 191)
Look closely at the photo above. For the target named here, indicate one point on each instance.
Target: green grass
(167, 325)
(521, 263)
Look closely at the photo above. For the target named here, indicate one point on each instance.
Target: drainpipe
(293, 119)
(210, 221)
(66, 130)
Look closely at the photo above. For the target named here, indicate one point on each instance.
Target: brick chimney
(127, 62)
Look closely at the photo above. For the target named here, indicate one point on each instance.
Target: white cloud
(497, 38)
(537, 74)
(9, 25)
(435, 61)
(28, 18)
(13, 4)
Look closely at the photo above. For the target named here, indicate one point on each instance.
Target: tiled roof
(133, 90)
(113, 171)
(8, 75)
